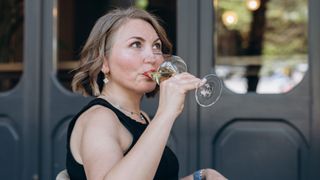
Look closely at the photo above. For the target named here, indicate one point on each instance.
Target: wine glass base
(209, 93)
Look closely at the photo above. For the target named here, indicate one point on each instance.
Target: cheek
(158, 62)
(125, 63)
(129, 62)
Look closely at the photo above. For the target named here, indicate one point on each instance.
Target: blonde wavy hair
(88, 79)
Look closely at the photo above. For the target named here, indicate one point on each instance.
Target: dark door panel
(260, 149)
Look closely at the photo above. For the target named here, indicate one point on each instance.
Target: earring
(105, 80)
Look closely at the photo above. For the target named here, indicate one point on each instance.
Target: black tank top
(168, 168)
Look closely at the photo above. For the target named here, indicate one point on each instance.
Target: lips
(148, 73)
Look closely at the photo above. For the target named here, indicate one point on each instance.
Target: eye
(157, 46)
(136, 44)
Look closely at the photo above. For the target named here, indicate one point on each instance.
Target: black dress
(168, 168)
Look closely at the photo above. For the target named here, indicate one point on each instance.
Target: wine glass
(206, 94)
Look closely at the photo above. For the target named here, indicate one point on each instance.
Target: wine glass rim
(169, 56)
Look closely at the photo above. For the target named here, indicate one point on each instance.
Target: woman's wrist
(165, 116)
(199, 175)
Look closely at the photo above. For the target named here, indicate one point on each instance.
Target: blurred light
(215, 3)
(142, 4)
(229, 18)
(55, 12)
(253, 4)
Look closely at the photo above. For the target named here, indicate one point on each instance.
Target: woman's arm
(190, 177)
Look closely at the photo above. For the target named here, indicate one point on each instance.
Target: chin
(150, 88)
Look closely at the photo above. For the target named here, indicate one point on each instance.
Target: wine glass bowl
(168, 68)
(174, 63)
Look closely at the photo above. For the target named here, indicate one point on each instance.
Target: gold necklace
(125, 110)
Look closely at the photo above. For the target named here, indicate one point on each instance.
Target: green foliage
(286, 28)
(142, 4)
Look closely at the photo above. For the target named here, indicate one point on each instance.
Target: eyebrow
(141, 39)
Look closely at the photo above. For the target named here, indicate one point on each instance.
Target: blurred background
(265, 126)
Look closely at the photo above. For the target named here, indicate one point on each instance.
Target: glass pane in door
(11, 43)
(261, 45)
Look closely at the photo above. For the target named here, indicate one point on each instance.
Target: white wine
(162, 74)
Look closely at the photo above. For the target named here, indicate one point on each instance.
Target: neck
(125, 99)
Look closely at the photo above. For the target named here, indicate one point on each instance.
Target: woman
(111, 138)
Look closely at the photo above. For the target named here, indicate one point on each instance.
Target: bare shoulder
(99, 140)
(101, 124)
(97, 122)
(97, 116)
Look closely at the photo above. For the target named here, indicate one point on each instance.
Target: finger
(203, 81)
(184, 75)
(188, 85)
(187, 78)
(200, 82)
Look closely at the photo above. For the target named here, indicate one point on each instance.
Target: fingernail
(203, 81)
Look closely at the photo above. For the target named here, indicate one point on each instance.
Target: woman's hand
(206, 174)
(211, 174)
(173, 92)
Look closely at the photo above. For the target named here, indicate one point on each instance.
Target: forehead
(136, 28)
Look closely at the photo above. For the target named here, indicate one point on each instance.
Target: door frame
(314, 68)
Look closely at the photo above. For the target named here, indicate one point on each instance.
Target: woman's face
(134, 51)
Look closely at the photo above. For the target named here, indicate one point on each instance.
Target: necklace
(131, 113)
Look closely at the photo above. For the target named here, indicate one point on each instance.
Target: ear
(105, 66)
